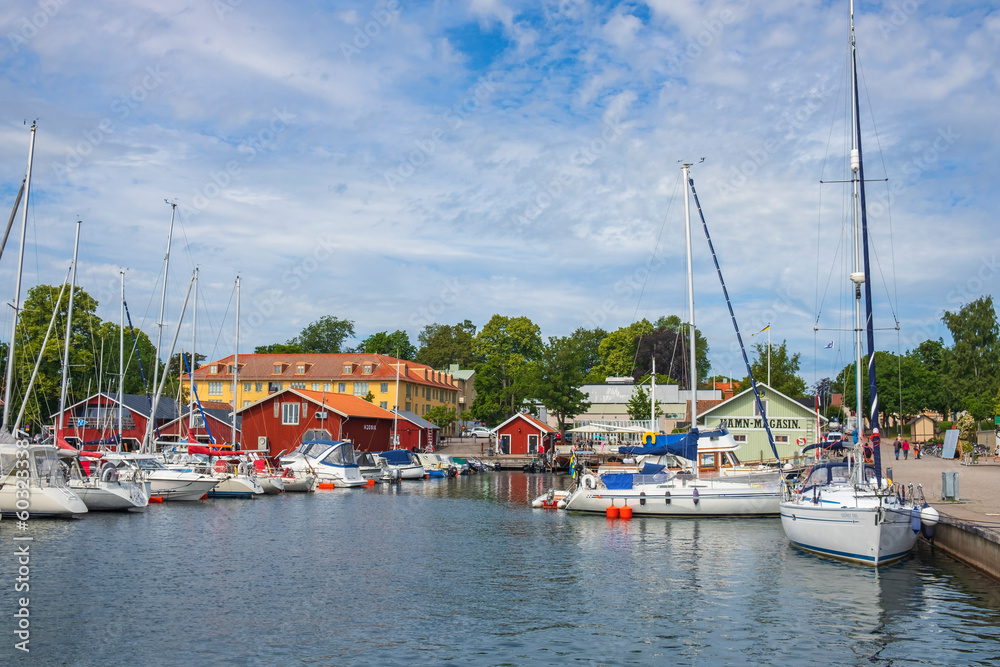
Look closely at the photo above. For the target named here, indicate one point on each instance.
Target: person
(906, 449)
(916, 450)
(897, 447)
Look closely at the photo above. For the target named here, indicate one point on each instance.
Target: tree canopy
(784, 370)
(972, 368)
(559, 373)
(442, 345)
(396, 344)
(505, 379)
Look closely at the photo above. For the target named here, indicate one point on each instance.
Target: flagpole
(768, 354)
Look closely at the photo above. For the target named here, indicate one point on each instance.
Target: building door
(533, 444)
(505, 443)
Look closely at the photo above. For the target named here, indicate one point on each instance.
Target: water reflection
(462, 569)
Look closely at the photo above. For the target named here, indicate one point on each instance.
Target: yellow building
(360, 374)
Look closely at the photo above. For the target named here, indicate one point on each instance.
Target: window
(756, 410)
(341, 387)
(781, 438)
(258, 386)
(300, 369)
(367, 369)
(360, 388)
(290, 413)
(326, 386)
(230, 368)
(277, 369)
(384, 405)
(215, 389)
(384, 388)
(407, 406)
(275, 386)
(347, 369)
(407, 392)
(214, 369)
(246, 403)
(739, 437)
(297, 385)
(277, 408)
(246, 386)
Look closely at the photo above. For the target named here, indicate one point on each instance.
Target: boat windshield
(150, 464)
(47, 465)
(313, 449)
(835, 473)
(342, 455)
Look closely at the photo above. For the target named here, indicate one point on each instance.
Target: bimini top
(834, 472)
(399, 457)
(684, 445)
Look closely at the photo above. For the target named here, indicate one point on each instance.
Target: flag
(572, 467)
(828, 345)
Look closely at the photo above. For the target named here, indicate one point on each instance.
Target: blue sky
(402, 163)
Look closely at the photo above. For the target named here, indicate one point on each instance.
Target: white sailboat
(847, 510)
(657, 490)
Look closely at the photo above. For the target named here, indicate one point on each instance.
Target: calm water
(463, 570)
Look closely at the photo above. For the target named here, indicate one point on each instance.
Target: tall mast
(17, 288)
(163, 294)
(652, 395)
(194, 354)
(861, 249)
(395, 413)
(121, 361)
(236, 357)
(693, 363)
(69, 332)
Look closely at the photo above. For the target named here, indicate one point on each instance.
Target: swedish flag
(572, 466)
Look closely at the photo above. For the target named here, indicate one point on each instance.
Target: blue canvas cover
(651, 468)
(617, 481)
(397, 457)
(684, 445)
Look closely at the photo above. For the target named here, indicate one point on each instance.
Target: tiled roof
(531, 419)
(323, 367)
(167, 408)
(345, 404)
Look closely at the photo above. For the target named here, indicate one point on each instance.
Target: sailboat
(847, 509)
(658, 490)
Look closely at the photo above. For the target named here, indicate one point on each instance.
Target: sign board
(996, 420)
(950, 443)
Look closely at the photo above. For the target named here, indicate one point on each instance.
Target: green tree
(444, 344)
(441, 416)
(673, 323)
(325, 335)
(396, 344)
(559, 373)
(504, 379)
(106, 344)
(784, 370)
(33, 322)
(278, 348)
(589, 342)
(639, 405)
(972, 369)
(618, 352)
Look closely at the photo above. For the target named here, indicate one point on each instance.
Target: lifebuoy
(589, 482)
(243, 469)
(109, 474)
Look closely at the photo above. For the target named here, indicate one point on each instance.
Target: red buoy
(625, 513)
(156, 499)
(325, 485)
(612, 512)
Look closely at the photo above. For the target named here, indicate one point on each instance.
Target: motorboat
(374, 468)
(164, 482)
(333, 462)
(102, 486)
(406, 462)
(432, 464)
(48, 493)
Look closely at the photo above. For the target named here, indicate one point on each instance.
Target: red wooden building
(94, 420)
(215, 427)
(278, 422)
(523, 434)
(416, 432)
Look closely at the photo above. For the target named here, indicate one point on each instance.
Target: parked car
(480, 432)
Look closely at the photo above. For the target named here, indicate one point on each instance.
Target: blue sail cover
(684, 445)
(617, 481)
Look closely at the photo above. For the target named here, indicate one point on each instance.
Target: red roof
(531, 419)
(324, 367)
(344, 404)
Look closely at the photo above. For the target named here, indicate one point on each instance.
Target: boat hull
(183, 487)
(705, 497)
(865, 535)
(236, 486)
(112, 497)
(44, 502)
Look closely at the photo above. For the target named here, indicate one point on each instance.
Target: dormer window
(277, 369)
(347, 369)
(214, 369)
(367, 369)
(300, 369)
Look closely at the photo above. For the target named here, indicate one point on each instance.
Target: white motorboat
(847, 509)
(332, 461)
(405, 462)
(373, 467)
(167, 483)
(103, 487)
(237, 479)
(47, 492)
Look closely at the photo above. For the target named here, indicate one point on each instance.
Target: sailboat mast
(395, 413)
(163, 294)
(17, 288)
(194, 354)
(652, 396)
(236, 357)
(121, 360)
(693, 363)
(69, 332)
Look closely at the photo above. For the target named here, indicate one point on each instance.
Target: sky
(403, 163)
